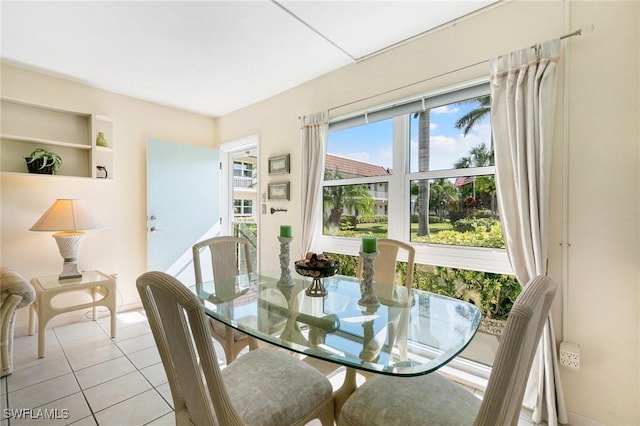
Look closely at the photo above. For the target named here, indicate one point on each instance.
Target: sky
(372, 143)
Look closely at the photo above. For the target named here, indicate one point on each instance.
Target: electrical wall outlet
(570, 355)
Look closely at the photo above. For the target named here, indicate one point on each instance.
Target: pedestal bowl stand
(316, 289)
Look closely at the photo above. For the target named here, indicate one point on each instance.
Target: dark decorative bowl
(316, 289)
(315, 271)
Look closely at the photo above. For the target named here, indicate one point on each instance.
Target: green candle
(369, 244)
(285, 231)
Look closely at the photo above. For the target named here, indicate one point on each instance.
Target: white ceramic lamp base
(69, 243)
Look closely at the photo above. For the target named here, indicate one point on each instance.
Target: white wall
(120, 204)
(604, 200)
(603, 134)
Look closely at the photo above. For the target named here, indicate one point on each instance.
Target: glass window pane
(455, 211)
(438, 139)
(355, 210)
(361, 151)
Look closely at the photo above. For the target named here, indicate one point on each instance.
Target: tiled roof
(349, 168)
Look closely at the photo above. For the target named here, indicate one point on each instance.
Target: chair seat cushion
(13, 283)
(429, 399)
(271, 395)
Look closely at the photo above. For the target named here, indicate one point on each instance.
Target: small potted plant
(43, 162)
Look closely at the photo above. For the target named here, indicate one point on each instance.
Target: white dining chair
(385, 276)
(433, 399)
(263, 387)
(385, 264)
(225, 253)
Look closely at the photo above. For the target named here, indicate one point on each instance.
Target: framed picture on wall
(279, 165)
(278, 191)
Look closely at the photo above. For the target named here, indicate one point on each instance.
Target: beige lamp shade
(67, 215)
(70, 217)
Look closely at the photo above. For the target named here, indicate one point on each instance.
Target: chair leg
(327, 416)
(229, 353)
(253, 343)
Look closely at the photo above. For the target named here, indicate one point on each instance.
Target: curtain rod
(583, 30)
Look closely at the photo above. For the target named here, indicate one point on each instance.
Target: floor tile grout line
(73, 371)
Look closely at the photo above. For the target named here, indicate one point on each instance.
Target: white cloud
(383, 157)
(442, 142)
(360, 156)
(445, 109)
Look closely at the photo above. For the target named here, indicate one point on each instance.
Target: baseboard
(578, 420)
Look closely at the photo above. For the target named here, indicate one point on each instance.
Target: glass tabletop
(412, 332)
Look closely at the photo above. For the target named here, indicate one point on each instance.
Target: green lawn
(380, 229)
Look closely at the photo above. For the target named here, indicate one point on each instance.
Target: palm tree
(422, 207)
(348, 197)
(468, 120)
(441, 194)
(479, 156)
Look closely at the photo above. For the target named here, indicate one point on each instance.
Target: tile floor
(87, 378)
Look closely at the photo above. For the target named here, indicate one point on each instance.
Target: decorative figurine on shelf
(101, 141)
(102, 172)
(285, 274)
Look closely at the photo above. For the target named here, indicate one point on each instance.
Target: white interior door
(183, 204)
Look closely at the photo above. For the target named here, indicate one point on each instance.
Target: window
(420, 171)
(242, 169)
(242, 207)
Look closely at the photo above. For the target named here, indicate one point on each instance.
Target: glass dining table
(410, 333)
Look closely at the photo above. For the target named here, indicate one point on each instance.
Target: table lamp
(70, 217)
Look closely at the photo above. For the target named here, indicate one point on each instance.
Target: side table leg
(32, 320)
(44, 304)
(41, 331)
(112, 307)
(113, 323)
(95, 308)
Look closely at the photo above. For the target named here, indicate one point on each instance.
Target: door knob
(154, 229)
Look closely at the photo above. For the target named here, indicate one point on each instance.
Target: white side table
(95, 283)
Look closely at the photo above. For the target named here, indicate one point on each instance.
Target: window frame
(493, 260)
(243, 207)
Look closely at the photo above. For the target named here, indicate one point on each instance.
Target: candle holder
(285, 272)
(370, 346)
(366, 285)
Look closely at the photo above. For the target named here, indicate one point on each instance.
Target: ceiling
(209, 57)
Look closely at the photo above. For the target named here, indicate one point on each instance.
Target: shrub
(348, 222)
(478, 237)
(494, 294)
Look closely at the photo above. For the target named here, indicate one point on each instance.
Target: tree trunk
(424, 124)
(334, 217)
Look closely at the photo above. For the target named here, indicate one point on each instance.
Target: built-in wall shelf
(72, 135)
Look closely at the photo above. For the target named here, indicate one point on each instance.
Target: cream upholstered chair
(263, 387)
(385, 263)
(15, 292)
(432, 399)
(224, 260)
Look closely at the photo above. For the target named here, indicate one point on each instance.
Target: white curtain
(523, 101)
(313, 129)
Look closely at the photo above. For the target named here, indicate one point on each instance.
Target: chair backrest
(181, 331)
(503, 397)
(385, 263)
(224, 252)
